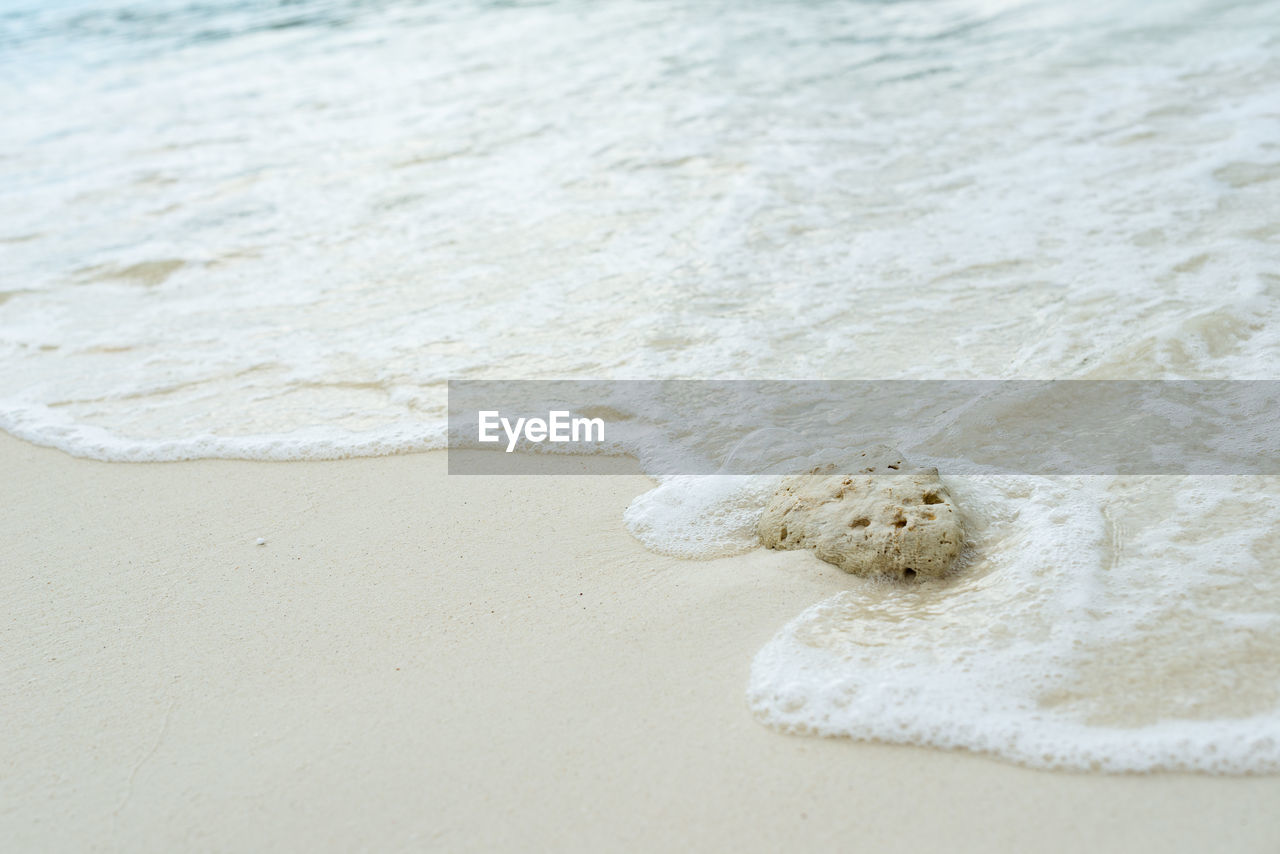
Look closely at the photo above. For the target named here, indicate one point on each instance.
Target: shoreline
(413, 659)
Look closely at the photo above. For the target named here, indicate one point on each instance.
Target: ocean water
(275, 231)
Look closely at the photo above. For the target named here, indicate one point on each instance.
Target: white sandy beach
(239, 238)
(415, 661)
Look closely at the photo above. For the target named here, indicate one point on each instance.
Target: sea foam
(911, 190)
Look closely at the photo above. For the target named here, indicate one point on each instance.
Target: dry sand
(420, 661)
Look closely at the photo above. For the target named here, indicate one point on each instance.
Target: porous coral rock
(888, 519)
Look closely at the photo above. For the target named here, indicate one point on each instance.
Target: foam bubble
(700, 517)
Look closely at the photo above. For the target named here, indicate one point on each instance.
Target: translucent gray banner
(699, 427)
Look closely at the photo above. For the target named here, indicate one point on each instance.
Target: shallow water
(247, 230)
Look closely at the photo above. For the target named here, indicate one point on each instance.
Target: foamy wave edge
(788, 692)
(41, 425)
